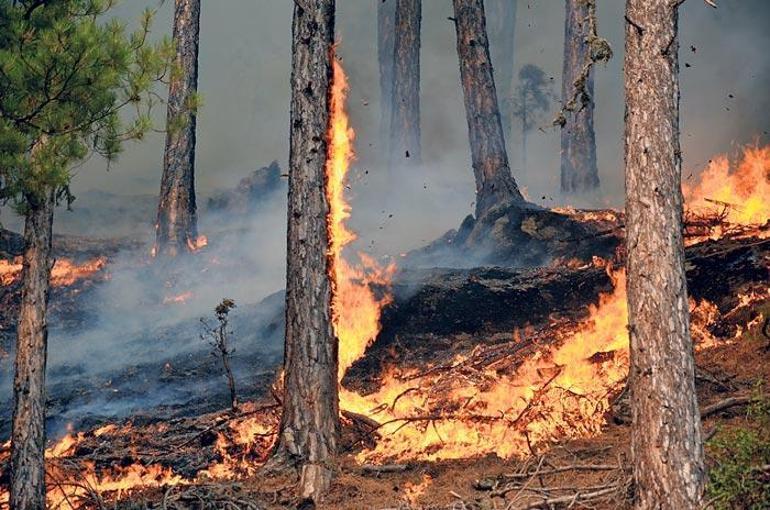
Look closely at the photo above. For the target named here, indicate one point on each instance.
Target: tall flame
(355, 307)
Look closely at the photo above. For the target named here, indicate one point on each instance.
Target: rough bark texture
(386, 22)
(405, 117)
(310, 425)
(666, 437)
(28, 434)
(494, 183)
(578, 141)
(176, 228)
(502, 38)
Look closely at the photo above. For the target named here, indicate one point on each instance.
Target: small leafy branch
(219, 337)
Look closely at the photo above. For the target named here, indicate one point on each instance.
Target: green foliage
(740, 475)
(66, 77)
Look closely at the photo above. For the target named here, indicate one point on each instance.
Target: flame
(355, 307)
(198, 243)
(743, 191)
(728, 201)
(64, 273)
(178, 298)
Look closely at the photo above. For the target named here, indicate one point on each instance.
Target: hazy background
(244, 80)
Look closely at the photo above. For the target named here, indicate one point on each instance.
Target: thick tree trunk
(28, 434)
(494, 183)
(666, 432)
(177, 226)
(405, 117)
(386, 23)
(310, 425)
(502, 38)
(579, 173)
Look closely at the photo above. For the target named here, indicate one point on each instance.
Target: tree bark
(28, 432)
(494, 183)
(666, 433)
(405, 118)
(579, 172)
(310, 424)
(386, 23)
(177, 225)
(502, 38)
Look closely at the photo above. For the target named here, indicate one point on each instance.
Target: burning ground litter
(509, 386)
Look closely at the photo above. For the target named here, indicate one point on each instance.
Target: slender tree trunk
(28, 432)
(405, 118)
(579, 173)
(177, 225)
(666, 433)
(494, 183)
(502, 38)
(310, 425)
(524, 130)
(386, 23)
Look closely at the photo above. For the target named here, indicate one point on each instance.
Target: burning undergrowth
(434, 365)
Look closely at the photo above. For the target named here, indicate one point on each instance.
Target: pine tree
(66, 76)
(177, 225)
(494, 183)
(310, 428)
(666, 443)
(405, 143)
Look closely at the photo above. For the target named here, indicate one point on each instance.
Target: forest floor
(586, 473)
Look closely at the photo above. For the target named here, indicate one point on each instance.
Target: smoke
(244, 81)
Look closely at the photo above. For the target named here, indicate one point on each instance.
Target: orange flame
(65, 272)
(355, 307)
(744, 191)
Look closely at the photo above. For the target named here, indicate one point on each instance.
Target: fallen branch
(725, 404)
(385, 468)
(572, 498)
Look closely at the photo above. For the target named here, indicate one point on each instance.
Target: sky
(244, 82)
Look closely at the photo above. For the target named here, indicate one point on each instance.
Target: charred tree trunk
(405, 117)
(386, 23)
(502, 38)
(579, 173)
(310, 424)
(28, 434)
(494, 183)
(177, 225)
(666, 440)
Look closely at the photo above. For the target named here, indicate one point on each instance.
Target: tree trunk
(405, 118)
(28, 432)
(666, 433)
(494, 183)
(177, 225)
(310, 424)
(386, 22)
(502, 38)
(579, 173)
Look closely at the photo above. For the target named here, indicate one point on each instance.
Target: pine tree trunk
(502, 38)
(28, 432)
(405, 118)
(494, 182)
(579, 173)
(310, 425)
(666, 432)
(177, 226)
(386, 22)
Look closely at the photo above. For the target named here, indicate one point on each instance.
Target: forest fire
(65, 272)
(355, 307)
(725, 202)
